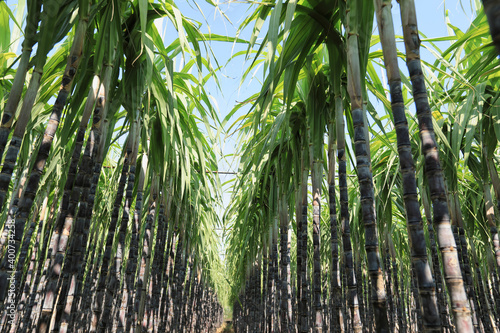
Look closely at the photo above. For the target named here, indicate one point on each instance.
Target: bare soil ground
(227, 327)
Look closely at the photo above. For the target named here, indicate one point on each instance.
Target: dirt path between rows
(227, 327)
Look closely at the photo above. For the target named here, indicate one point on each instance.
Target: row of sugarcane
(102, 232)
(446, 279)
(162, 286)
(258, 307)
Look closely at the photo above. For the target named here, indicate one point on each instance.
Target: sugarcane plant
(109, 148)
(78, 276)
(396, 186)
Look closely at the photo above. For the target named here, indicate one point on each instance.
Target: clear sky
(431, 15)
(431, 19)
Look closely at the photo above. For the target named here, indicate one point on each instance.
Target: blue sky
(430, 14)
(431, 17)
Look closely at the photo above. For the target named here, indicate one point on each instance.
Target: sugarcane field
(249, 166)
